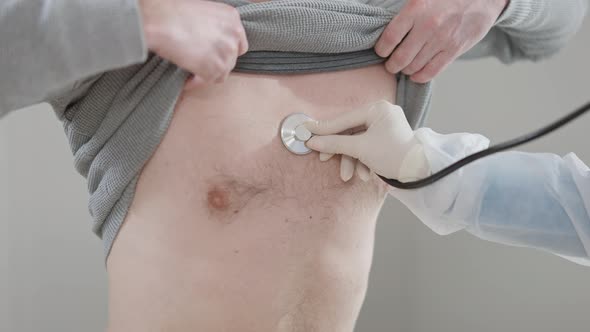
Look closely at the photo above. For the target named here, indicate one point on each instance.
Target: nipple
(218, 199)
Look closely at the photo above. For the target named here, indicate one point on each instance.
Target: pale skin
(203, 37)
(428, 35)
(421, 41)
(232, 234)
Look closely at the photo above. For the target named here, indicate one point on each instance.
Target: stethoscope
(294, 135)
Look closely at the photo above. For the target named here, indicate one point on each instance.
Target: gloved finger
(433, 68)
(362, 171)
(339, 124)
(405, 53)
(325, 156)
(338, 144)
(429, 51)
(347, 165)
(360, 117)
(393, 34)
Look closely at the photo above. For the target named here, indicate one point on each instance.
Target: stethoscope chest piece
(294, 134)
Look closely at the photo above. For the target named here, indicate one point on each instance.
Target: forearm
(47, 45)
(514, 198)
(531, 29)
(531, 200)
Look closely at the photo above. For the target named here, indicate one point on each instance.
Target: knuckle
(218, 67)
(232, 49)
(415, 5)
(390, 35)
(233, 13)
(454, 44)
(433, 22)
(238, 31)
(400, 57)
(410, 69)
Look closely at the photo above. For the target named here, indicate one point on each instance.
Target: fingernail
(379, 50)
(364, 177)
(362, 172)
(346, 177)
(418, 79)
(325, 156)
(311, 125)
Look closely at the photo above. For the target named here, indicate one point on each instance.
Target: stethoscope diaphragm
(294, 134)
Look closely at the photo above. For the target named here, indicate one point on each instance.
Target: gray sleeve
(531, 29)
(47, 45)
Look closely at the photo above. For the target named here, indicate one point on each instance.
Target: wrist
(415, 165)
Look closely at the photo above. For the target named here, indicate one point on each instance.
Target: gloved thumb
(336, 144)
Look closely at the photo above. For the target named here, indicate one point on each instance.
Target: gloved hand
(386, 145)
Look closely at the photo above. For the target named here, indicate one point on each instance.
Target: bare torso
(229, 231)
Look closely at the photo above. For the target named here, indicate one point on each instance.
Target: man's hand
(428, 35)
(202, 37)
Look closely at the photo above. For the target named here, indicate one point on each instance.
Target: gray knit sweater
(88, 59)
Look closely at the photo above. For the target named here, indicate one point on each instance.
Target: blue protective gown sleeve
(536, 200)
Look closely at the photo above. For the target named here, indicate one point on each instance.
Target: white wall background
(51, 269)
(422, 282)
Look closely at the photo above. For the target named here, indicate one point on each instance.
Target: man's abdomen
(228, 231)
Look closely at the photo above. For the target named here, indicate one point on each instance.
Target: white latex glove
(387, 145)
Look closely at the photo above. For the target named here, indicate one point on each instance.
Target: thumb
(336, 144)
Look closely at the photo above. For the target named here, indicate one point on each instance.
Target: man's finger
(429, 51)
(393, 34)
(433, 68)
(243, 46)
(336, 144)
(407, 50)
(347, 165)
